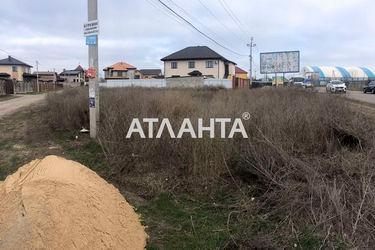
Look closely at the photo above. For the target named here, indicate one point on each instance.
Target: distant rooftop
(240, 71)
(150, 71)
(121, 66)
(76, 71)
(45, 72)
(71, 72)
(195, 53)
(11, 61)
(79, 68)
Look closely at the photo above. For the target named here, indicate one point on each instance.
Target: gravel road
(10, 106)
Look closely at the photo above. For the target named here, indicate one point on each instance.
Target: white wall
(146, 83)
(162, 83)
(183, 69)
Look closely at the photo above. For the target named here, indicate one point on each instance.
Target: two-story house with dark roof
(15, 68)
(198, 60)
(74, 77)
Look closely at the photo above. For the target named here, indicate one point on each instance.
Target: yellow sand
(59, 204)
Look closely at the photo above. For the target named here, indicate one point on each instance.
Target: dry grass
(68, 110)
(309, 159)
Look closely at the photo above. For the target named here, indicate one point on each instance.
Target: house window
(174, 65)
(119, 74)
(192, 65)
(209, 64)
(14, 68)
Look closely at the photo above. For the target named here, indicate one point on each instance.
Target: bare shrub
(309, 159)
(309, 155)
(68, 109)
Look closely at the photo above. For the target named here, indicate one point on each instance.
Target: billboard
(280, 62)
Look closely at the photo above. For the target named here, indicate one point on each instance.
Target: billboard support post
(276, 79)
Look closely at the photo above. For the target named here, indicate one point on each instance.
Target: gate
(9, 87)
(6, 87)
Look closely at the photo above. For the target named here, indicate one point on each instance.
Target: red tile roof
(240, 71)
(121, 66)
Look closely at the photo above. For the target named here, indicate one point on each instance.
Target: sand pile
(58, 204)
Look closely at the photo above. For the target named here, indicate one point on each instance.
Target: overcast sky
(327, 32)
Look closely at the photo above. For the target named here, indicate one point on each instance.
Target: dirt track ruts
(12, 105)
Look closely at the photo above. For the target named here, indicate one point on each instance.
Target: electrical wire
(162, 10)
(219, 21)
(6, 52)
(233, 17)
(15, 57)
(198, 30)
(197, 21)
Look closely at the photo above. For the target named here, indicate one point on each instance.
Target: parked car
(307, 84)
(336, 86)
(370, 88)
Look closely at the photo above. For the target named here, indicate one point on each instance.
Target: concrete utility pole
(93, 64)
(37, 76)
(93, 49)
(251, 45)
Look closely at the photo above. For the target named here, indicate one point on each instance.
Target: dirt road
(12, 105)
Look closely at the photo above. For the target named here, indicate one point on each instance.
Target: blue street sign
(91, 40)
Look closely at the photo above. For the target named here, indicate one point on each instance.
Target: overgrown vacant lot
(303, 179)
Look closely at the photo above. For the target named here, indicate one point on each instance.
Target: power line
(233, 16)
(161, 9)
(197, 21)
(16, 57)
(218, 20)
(166, 12)
(198, 30)
(6, 52)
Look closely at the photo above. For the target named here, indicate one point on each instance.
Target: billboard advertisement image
(280, 62)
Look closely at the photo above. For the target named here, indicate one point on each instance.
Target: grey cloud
(327, 32)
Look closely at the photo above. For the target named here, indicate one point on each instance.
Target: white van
(297, 81)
